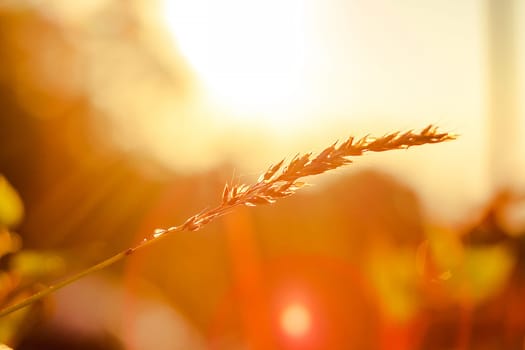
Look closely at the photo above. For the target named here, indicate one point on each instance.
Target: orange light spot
(296, 320)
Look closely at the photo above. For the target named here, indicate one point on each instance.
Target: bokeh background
(118, 117)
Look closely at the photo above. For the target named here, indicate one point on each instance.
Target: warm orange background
(119, 117)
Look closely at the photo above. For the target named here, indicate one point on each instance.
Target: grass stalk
(279, 181)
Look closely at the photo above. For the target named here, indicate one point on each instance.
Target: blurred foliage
(394, 277)
(11, 207)
(472, 273)
(21, 268)
(11, 211)
(33, 265)
(484, 272)
(10, 242)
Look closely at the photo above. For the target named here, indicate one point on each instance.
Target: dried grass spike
(271, 171)
(271, 186)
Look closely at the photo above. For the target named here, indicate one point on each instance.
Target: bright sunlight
(249, 55)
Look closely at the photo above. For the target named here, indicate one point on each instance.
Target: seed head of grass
(282, 179)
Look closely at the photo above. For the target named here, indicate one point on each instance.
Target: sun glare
(295, 320)
(249, 54)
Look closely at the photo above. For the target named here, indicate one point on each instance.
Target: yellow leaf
(9, 242)
(32, 264)
(11, 207)
(486, 270)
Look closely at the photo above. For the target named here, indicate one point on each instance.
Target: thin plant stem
(100, 266)
(279, 181)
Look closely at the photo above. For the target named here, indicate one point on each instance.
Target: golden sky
(205, 83)
(295, 75)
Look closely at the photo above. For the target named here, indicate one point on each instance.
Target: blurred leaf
(446, 248)
(482, 272)
(439, 255)
(394, 276)
(9, 242)
(8, 282)
(33, 265)
(485, 270)
(11, 207)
